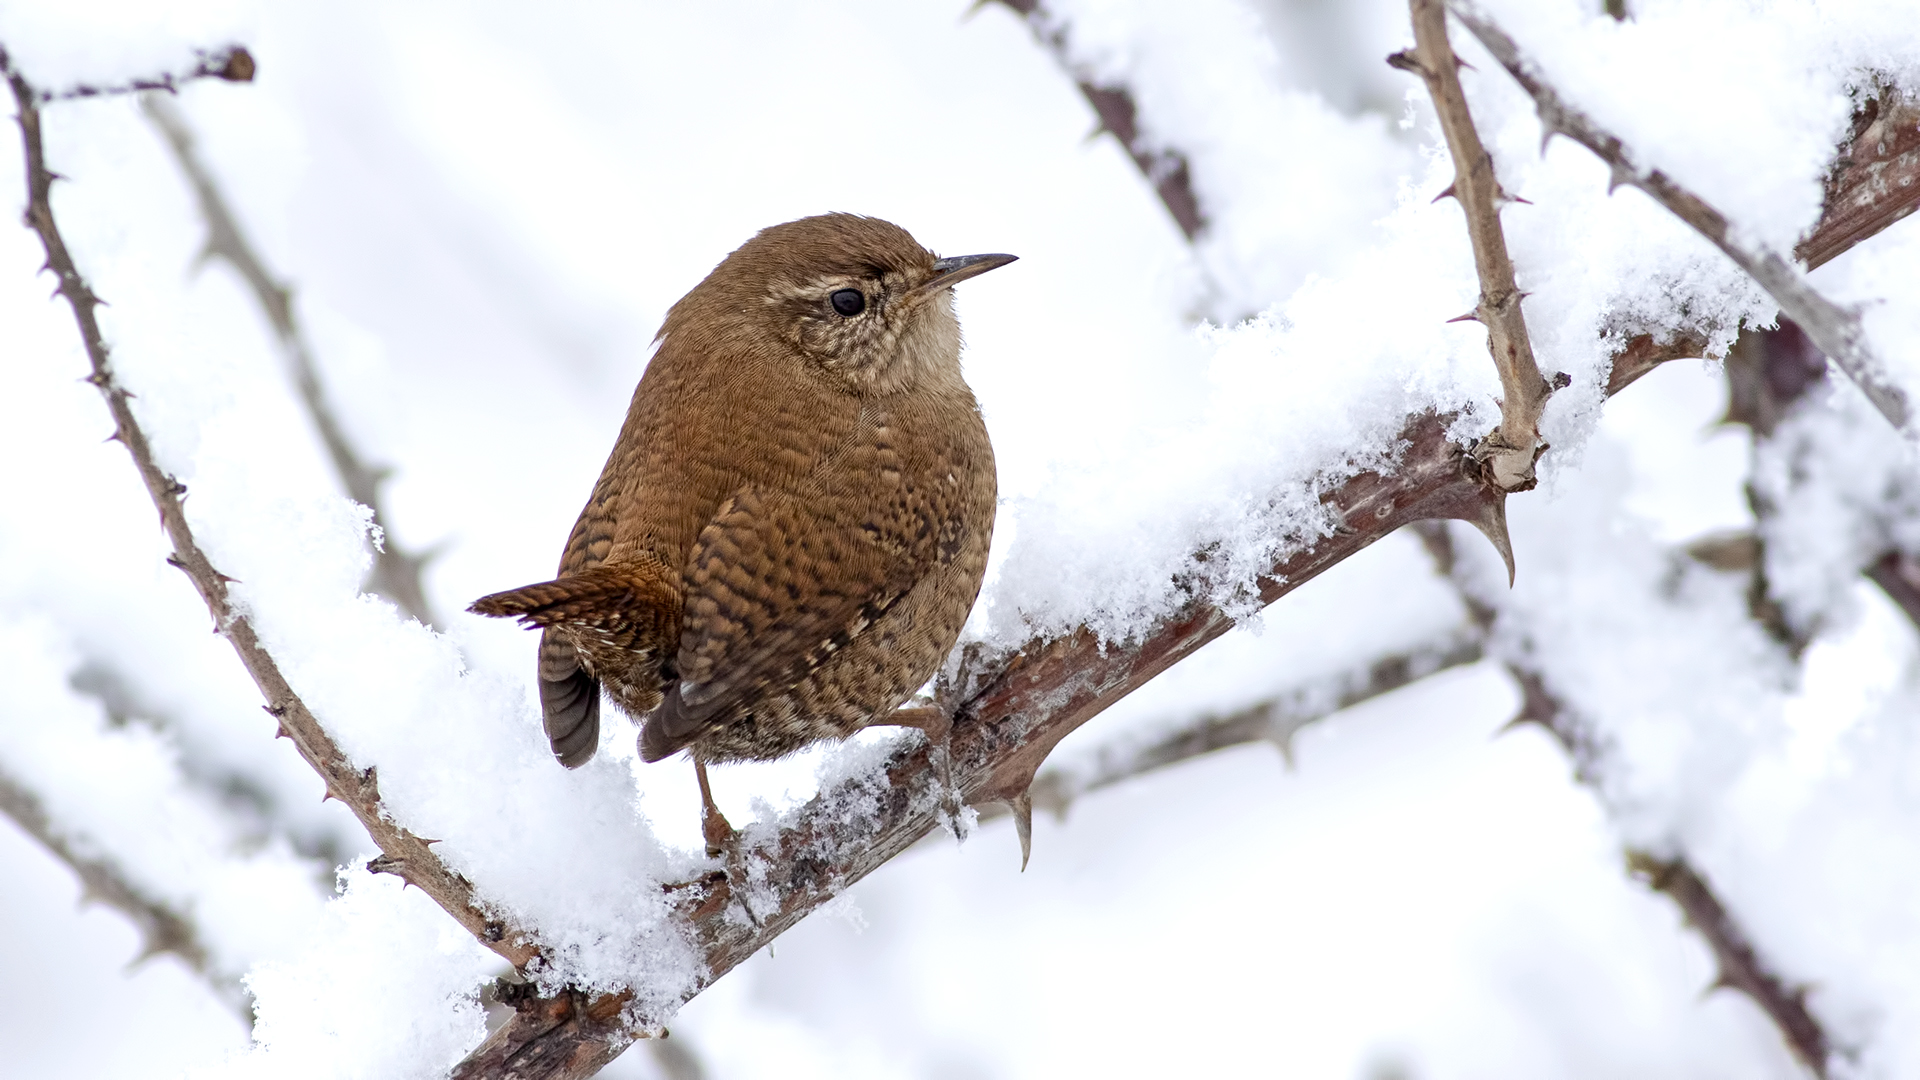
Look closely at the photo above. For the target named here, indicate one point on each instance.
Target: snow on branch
(1511, 450)
(404, 852)
(1837, 331)
(396, 571)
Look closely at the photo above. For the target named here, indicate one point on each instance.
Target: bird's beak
(950, 272)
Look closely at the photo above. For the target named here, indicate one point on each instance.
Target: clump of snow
(1840, 491)
(1286, 182)
(387, 988)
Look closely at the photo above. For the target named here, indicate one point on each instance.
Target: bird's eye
(848, 302)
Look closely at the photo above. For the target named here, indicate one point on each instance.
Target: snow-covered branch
(405, 853)
(1511, 450)
(1837, 331)
(396, 571)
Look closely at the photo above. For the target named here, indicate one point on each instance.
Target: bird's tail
(620, 617)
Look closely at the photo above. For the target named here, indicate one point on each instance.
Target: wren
(793, 525)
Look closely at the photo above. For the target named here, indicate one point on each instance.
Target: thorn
(1471, 316)
(149, 949)
(1617, 176)
(1520, 720)
(1283, 742)
(174, 561)
(1404, 60)
(1022, 807)
(1449, 191)
(1459, 63)
(1560, 381)
(275, 711)
(1492, 523)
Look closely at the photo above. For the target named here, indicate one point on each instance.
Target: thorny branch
(396, 572)
(1275, 720)
(162, 929)
(1741, 967)
(1511, 450)
(1837, 331)
(232, 64)
(357, 788)
(1165, 168)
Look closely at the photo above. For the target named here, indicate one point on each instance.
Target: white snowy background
(485, 209)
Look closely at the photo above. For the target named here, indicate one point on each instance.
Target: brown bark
(1510, 451)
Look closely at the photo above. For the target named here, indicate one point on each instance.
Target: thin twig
(162, 929)
(1164, 167)
(231, 64)
(1274, 720)
(405, 853)
(1514, 446)
(396, 571)
(1741, 967)
(1837, 331)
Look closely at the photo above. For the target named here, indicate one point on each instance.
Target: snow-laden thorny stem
(359, 789)
(1510, 452)
(1837, 331)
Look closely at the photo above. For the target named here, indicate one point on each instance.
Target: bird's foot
(937, 726)
(721, 836)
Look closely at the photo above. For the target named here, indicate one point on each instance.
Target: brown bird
(793, 525)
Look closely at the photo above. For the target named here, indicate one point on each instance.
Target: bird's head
(856, 298)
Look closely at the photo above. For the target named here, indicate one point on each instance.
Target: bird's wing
(776, 584)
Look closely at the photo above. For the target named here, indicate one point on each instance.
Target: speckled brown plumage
(794, 523)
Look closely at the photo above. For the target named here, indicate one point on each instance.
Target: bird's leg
(937, 726)
(713, 824)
